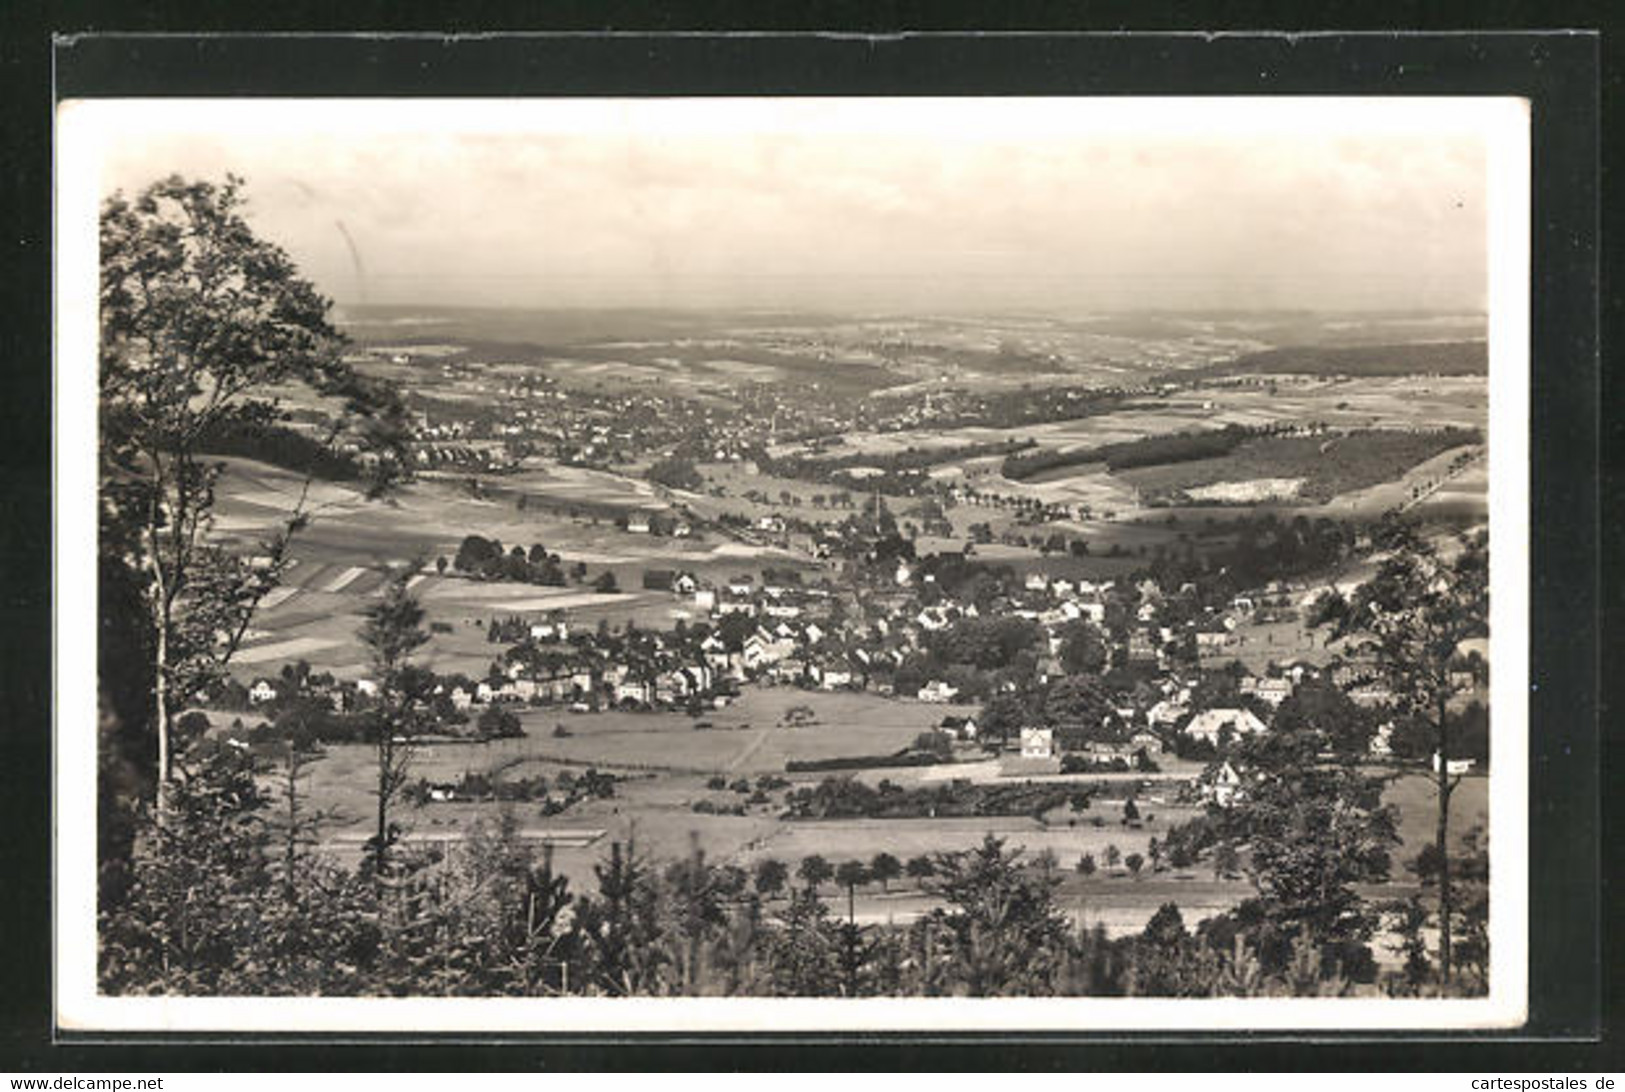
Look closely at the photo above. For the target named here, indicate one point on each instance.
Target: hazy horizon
(887, 205)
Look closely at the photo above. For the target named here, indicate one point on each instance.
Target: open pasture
(1259, 644)
(342, 559)
(736, 479)
(544, 479)
(1367, 402)
(1464, 497)
(750, 736)
(1068, 838)
(1326, 467)
(1118, 902)
(429, 517)
(295, 648)
(655, 810)
(1417, 798)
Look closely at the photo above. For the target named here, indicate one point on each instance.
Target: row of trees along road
(202, 323)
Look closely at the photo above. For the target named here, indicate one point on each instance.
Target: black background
(1561, 73)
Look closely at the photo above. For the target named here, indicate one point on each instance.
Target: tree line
(1127, 454)
(239, 903)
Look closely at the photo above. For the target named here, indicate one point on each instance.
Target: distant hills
(1416, 358)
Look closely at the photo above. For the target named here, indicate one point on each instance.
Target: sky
(1054, 205)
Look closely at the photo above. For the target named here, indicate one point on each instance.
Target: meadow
(750, 736)
(656, 812)
(1325, 467)
(341, 561)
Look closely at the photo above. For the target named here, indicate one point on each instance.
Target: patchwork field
(541, 480)
(1322, 467)
(666, 760)
(342, 560)
(656, 813)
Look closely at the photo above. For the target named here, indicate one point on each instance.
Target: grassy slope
(1328, 466)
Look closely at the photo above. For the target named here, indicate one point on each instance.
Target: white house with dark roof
(1222, 785)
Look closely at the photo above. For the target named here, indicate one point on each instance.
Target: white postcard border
(81, 132)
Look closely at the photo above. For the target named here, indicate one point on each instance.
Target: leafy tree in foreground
(1005, 933)
(1317, 830)
(392, 633)
(618, 931)
(804, 952)
(189, 919)
(1168, 961)
(200, 319)
(1412, 618)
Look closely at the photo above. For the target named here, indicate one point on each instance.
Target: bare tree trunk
(291, 850)
(160, 690)
(1442, 845)
(385, 762)
(160, 679)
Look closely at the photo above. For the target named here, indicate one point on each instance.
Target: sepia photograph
(785, 564)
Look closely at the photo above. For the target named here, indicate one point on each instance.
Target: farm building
(1166, 711)
(1210, 723)
(1381, 745)
(1273, 691)
(1221, 785)
(1037, 743)
(1149, 742)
